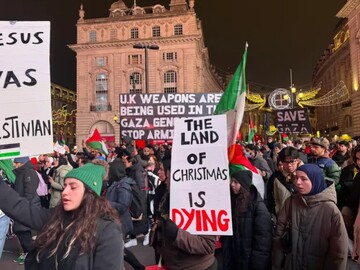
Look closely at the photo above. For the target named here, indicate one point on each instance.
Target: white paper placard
(25, 98)
(199, 186)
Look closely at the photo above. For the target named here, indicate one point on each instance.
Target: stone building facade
(116, 54)
(332, 67)
(351, 11)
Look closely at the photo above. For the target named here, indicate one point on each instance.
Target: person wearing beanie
(318, 235)
(319, 155)
(26, 183)
(81, 232)
(250, 245)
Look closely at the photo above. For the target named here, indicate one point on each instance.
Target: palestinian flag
(95, 142)
(232, 103)
(241, 162)
(252, 130)
(6, 165)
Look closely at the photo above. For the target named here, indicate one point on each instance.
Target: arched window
(170, 82)
(102, 91)
(135, 81)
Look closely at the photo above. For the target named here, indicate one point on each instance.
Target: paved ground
(144, 254)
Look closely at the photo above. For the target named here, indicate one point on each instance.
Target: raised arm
(22, 210)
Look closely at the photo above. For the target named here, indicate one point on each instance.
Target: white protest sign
(25, 98)
(199, 186)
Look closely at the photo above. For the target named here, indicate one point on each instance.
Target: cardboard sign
(199, 186)
(151, 116)
(25, 98)
(293, 121)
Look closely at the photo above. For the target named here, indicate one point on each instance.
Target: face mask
(150, 163)
(248, 154)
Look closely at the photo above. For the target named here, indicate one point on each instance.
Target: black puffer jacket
(250, 245)
(25, 185)
(26, 181)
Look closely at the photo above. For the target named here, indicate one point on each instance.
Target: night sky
(282, 34)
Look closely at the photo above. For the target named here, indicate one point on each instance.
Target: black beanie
(244, 177)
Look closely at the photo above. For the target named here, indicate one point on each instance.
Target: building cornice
(122, 44)
(132, 18)
(348, 8)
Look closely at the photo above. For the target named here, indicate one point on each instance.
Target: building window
(135, 81)
(92, 36)
(102, 89)
(100, 61)
(170, 56)
(156, 31)
(170, 80)
(178, 30)
(134, 32)
(113, 34)
(135, 59)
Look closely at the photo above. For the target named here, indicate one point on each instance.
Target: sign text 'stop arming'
(25, 100)
(151, 116)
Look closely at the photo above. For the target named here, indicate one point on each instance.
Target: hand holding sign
(200, 194)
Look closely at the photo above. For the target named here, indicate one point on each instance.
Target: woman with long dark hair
(82, 232)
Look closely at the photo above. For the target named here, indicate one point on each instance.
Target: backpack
(42, 189)
(137, 203)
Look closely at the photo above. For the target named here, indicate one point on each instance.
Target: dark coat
(120, 197)
(25, 185)
(108, 253)
(339, 158)
(137, 173)
(26, 181)
(346, 182)
(250, 245)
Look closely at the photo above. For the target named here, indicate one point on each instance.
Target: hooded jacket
(331, 169)
(318, 235)
(58, 185)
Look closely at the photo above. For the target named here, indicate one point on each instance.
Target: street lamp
(292, 90)
(146, 47)
(116, 119)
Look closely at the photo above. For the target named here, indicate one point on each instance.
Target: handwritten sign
(151, 116)
(199, 187)
(293, 121)
(25, 99)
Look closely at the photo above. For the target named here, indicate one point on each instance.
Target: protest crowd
(89, 207)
